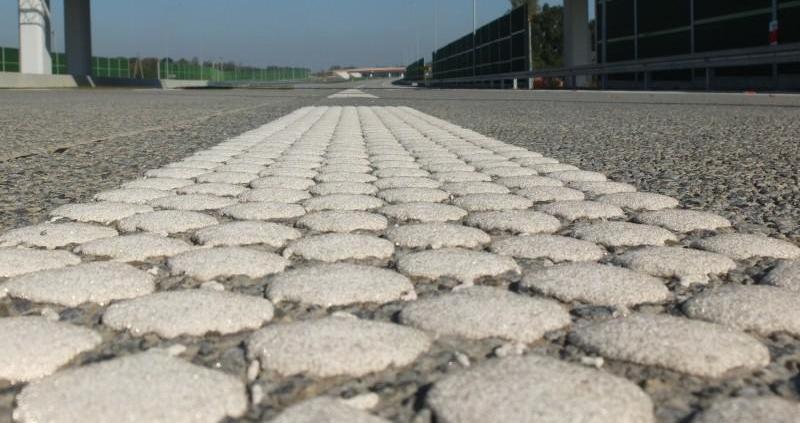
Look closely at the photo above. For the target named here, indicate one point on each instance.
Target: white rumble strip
(352, 93)
(396, 210)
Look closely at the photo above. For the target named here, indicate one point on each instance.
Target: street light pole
(474, 44)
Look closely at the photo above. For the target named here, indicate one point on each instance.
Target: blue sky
(310, 33)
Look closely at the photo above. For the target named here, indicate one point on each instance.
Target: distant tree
(547, 30)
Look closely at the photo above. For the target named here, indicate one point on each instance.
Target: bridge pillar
(34, 37)
(577, 39)
(78, 36)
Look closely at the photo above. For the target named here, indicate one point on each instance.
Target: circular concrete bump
(456, 166)
(193, 312)
(239, 160)
(488, 202)
(145, 387)
(684, 221)
(138, 247)
(537, 389)
(686, 264)
(264, 211)
(50, 236)
(674, 343)
(480, 312)
(507, 172)
(336, 247)
(577, 175)
(204, 156)
(18, 261)
(195, 164)
(275, 195)
(574, 210)
(175, 172)
(639, 200)
(343, 221)
(514, 221)
(513, 152)
(596, 188)
(437, 235)
(246, 233)
(401, 173)
(325, 410)
(462, 177)
(349, 168)
(488, 165)
(392, 164)
(100, 212)
(345, 177)
(413, 195)
(546, 194)
(327, 188)
(283, 182)
(520, 182)
(536, 161)
(163, 184)
(208, 264)
(467, 188)
(785, 275)
(193, 202)
(623, 234)
(352, 202)
(463, 265)
(96, 282)
(744, 246)
(340, 284)
(217, 189)
(438, 161)
(553, 247)
(228, 177)
(336, 346)
(597, 284)
(552, 167)
(131, 195)
(758, 308)
(166, 222)
(290, 172)
(343, 161)
(34, 347)
(423, 212)
(749, 410)
(406, 182)
(241, 167)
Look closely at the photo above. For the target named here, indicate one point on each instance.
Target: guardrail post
(516, 84)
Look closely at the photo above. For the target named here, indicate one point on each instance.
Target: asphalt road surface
(395, 253)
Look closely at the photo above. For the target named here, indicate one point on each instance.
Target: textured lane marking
(377, 190)
(352, 93)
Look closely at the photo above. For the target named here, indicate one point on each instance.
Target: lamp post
(474, 44)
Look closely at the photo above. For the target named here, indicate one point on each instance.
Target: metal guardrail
(767, 55)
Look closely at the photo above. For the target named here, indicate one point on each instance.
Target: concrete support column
(78, 36)
(577, 50)
(34, 37)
